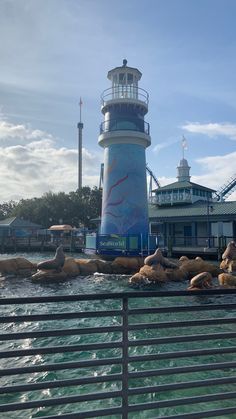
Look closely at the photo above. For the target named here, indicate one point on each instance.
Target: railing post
(125, 354)
(169, 246)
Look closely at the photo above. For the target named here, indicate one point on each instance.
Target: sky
(52, 52)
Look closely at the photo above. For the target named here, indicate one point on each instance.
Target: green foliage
(6, 209)
(76, 208)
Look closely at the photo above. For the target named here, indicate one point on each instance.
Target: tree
(6, 209)
(75, 208)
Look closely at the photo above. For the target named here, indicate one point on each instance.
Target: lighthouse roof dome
(125, 68)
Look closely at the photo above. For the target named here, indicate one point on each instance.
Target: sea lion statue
(230, 252)
(56, 263)
(201, 281)
(157, 258)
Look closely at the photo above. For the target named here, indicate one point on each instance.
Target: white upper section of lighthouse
(124, 75)
(125, 88)
(124, 106)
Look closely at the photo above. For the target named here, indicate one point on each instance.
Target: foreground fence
(119, 355)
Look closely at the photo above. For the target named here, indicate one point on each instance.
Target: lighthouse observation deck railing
(125, 92)
(120, 124)
(163, 354)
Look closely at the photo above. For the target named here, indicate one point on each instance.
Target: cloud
(32, 164)
(212, 129)
(10, 133)
(160, 146)
(218, 171)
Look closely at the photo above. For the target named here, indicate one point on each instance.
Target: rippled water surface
(99, 283)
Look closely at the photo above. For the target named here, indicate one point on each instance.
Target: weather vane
(184, 145)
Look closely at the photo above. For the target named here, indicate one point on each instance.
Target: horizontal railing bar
(181, 308)
(113, 296)
(198, 415)
(60, 349)
(181, 386)
(185, 323)
(115, 361)
(179, 339)
(60, 316)
(60, 383)
(59, 401)
(182, 369)
(60, 366)
(104, 329)
(60, 332)
(116, 377)
(88, 414)
(183, 354)
(65, 316)
(183, 401)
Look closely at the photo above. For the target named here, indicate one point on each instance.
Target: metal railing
(125, 92)
(41, 242)
(135, 355)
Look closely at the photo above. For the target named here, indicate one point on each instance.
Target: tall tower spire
(124, 135)
(80, 128)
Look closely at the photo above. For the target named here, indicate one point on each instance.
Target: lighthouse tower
(124, 135)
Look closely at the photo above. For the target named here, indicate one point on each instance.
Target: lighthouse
(124, 135)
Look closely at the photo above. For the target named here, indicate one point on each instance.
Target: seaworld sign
(109, 242)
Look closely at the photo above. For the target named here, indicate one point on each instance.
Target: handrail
(124, 92)
(156, 358)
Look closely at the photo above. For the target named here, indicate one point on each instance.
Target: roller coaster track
(226, 190)
(151, 180)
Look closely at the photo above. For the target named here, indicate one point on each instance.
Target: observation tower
(124, 135)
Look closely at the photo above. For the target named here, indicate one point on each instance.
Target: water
(21, 287)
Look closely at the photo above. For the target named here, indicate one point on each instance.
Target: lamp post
(209, 209)
(208, 224)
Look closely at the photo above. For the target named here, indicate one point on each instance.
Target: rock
(176, 274)
(227, 280)
(126, 265)
(196, 266)
(16, 266)
(183, 259)
(50, 275)
(228, 265)
(104, 266)
(71, 268)
(139, 279)
(156, 274)
(87, 266)
(201, 281)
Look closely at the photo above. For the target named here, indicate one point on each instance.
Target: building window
(122, 78)
(130, 78)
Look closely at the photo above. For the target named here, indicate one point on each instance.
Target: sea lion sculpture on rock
(227, 280)
(157, 258)
(56, 263)
(201, 281)
(230, 252)
(229, 258)
(153, 269)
